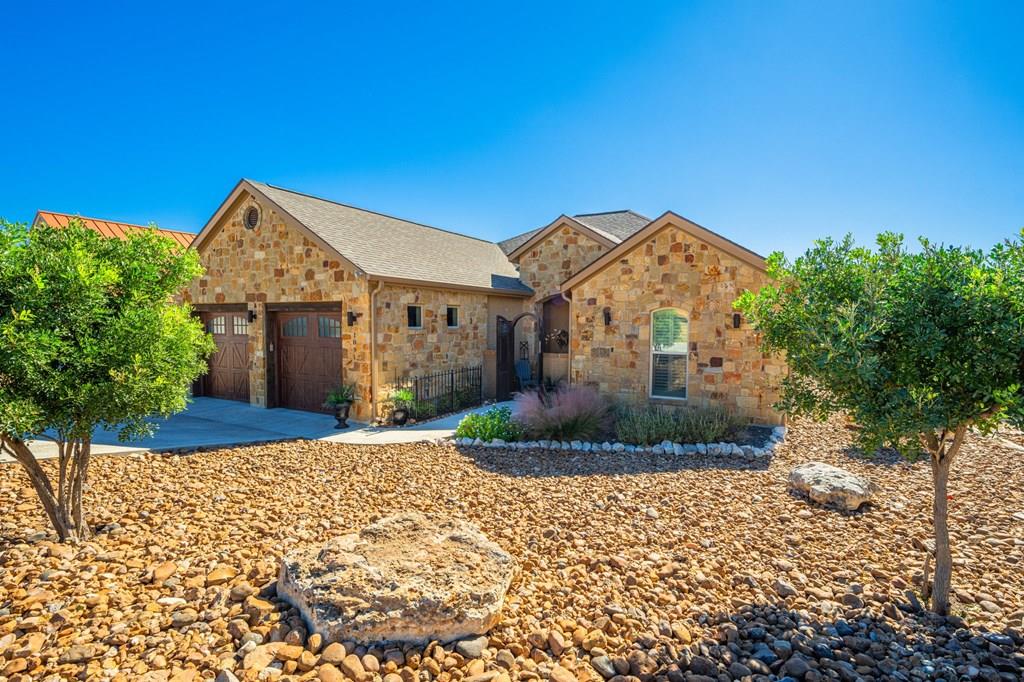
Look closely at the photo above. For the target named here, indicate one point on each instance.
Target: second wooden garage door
(229, 365)
(309, 358)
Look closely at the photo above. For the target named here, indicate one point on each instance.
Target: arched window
(670, 350)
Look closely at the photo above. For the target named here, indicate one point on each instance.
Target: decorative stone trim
(749, 452)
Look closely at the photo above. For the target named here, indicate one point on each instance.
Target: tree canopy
(904, 342)
(91, 337)
(917, 347)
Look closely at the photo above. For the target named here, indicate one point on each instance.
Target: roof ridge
(624, 210)
(118, 222)
(367, 210)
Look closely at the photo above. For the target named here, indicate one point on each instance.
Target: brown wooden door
(504, 364)
(309, 358)
(229, 365)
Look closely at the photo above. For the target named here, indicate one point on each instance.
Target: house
(302, 293)
(109, 228)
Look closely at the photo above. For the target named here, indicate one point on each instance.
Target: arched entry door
(505, 355)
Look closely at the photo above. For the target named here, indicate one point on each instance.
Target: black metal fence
(443, 392)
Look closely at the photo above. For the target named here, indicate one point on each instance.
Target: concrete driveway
(211, 422)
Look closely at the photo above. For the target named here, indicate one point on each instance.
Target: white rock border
(749, 452)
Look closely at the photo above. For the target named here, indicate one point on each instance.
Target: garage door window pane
(241, 326)
(329, 328)
(294, 327)
(217, 325)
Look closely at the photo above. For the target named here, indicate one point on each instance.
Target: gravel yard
(631, 565)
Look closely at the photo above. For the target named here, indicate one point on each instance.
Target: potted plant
(340, 400)
(402, 399)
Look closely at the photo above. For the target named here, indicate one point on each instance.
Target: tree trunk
(942, 459)
(69, 524)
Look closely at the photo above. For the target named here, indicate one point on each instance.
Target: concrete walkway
(432, 430)
(210, 422)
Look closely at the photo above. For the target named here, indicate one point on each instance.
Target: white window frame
(652, 353)
(420, 308)
(458, 316)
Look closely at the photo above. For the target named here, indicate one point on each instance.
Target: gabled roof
(652, 228)
(610, 227)
(110, 228)
(384, 247)
(619, 224)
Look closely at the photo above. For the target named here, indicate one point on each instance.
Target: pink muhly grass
(569, 413)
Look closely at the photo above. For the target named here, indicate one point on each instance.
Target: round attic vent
(252, 218)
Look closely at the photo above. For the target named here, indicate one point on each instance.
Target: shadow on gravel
(902, 642)
(882, 457)
(536, 463)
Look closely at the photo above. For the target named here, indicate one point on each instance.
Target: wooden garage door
(309, 358)
(229, 365)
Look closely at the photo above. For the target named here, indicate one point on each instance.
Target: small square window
(240, 325)
(415, 316)
(453, 316)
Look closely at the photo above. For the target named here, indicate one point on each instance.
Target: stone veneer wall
(409, 352)
(555, 259)
(275, 264)
(544, 267)
(674, 269)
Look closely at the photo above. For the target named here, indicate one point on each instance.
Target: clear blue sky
(772, 123)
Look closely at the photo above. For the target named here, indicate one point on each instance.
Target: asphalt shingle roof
(619, 224)
(385, 246)
(616, 226)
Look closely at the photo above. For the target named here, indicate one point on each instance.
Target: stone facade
(274, 263)
(555, 259)
(278, 264)
(403, 351)
(673, 269)
(543, 268)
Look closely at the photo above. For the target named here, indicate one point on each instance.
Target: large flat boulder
(404, 578)
(829, 485)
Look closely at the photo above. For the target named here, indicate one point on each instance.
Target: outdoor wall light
(252, 316)
(736, 320)
(607, 316)
(352, 317)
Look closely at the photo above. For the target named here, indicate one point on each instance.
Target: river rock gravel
(731, 577)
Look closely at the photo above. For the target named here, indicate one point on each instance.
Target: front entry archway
(506, 355)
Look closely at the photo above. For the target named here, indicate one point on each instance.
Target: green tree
(916, 347)
(90, 337)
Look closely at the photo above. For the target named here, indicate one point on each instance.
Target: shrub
(496, 422)
(654, 424)
(424, 409)
(467, 396)
(403, 398)
(569, 413)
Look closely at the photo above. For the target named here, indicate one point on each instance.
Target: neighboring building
(302, 294)
(110, 228)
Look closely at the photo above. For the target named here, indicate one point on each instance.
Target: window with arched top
(670, 352)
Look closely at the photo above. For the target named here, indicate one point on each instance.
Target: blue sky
(771, 123)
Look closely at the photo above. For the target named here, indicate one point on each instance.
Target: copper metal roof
(110, 228)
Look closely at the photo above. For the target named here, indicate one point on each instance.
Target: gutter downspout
(373, 347)
(568, 299)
